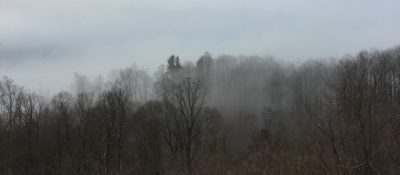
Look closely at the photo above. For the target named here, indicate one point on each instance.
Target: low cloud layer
(44, 42)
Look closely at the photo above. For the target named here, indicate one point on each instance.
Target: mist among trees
(219, 115)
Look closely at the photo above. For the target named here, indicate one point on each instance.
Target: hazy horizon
(43, 43)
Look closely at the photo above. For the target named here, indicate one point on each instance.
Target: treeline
(224, 115)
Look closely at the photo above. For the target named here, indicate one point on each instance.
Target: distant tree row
(224, 115)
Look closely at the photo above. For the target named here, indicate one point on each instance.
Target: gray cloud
(44, 42)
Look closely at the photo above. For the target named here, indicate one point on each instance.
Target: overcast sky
(43, 42)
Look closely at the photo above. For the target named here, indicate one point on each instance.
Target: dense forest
(219, 115)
